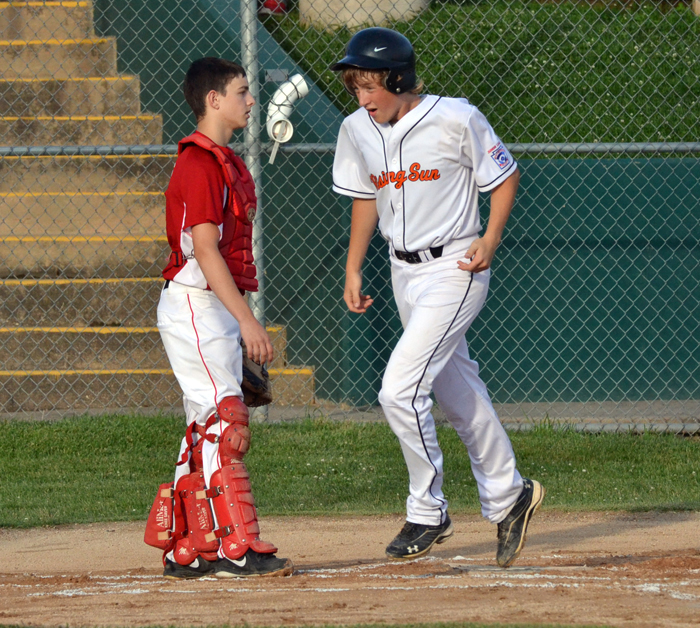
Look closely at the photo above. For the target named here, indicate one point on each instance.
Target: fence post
(696, 7)
(249, 57)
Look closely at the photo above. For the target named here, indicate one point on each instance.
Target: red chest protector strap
(238, 179)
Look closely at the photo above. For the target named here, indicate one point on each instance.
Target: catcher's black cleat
(198, 568)
(513, 529)
(253, 563)
(416, 539)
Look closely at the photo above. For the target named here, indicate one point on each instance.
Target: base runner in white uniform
(415, 165)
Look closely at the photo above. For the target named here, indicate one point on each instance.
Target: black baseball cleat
(416, 539)
(253, 563)
(198, 568)
(512, 530)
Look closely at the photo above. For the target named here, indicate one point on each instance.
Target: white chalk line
(92, 591)
(122, 584)
(660, 588)
(84, 592)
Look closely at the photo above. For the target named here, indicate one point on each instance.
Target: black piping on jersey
(374, 124)
(403, 187)
(386, 159)
(481, 187)
(420, 379)
(340, 187)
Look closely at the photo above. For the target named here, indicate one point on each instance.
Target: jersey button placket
(398, 220)
(397, 199)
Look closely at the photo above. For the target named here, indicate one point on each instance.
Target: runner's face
(382, 105)
(236, 102)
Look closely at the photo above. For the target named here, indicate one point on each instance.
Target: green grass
(557, 72)
(90, 469)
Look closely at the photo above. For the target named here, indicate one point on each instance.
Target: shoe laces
(502, 531)
(408, 530)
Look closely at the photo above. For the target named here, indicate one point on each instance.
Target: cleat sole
(286, 570)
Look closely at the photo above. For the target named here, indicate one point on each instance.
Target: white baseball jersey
(425, 171)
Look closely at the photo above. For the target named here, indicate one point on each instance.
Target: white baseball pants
(437, 303)
(203, 343)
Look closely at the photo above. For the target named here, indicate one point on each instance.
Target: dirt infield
(599, 568)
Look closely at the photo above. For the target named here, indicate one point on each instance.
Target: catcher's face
(236, 103)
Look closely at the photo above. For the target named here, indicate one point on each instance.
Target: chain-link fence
(593, 312)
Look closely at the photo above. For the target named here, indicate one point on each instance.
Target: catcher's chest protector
(236, 244)
(236, 175)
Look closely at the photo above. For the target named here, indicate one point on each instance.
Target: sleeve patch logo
(500, 155)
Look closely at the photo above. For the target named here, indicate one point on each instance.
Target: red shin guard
(166, 521)
(235, 512)
(198, 519)
(229, 487)
(179, 520)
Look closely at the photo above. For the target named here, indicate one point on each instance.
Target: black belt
(414, 258)
(167, 283)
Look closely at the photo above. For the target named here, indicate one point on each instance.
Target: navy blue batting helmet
(379, 48)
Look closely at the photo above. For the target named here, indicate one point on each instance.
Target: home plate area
(636, 574)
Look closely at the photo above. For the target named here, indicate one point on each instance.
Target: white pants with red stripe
(203, 343)
(437, 303)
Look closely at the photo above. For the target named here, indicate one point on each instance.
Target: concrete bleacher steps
(78, 130)
(106, 96)
(103, 174)
(23, 214)
(45, 20)
(74, 391)
(59, 368)
(81, 256)
(58, 58)
(82, 239)
(89, 343)
(83, 216)
(84, 348)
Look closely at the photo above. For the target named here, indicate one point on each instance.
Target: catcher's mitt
(256, 387)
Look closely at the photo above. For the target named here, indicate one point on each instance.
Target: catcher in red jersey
(205, 521)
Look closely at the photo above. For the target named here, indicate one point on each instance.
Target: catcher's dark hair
(205, 75)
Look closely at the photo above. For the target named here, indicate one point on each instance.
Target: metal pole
(253, 149)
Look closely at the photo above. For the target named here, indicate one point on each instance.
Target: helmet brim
(364, 63)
